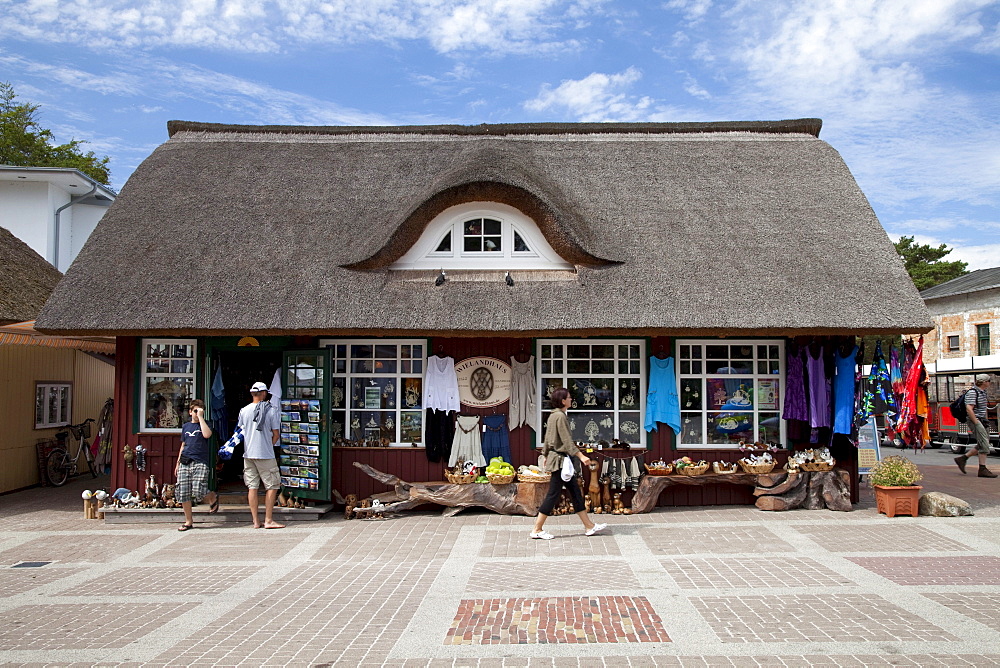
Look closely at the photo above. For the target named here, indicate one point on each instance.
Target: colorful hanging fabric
(877, 398)
(909, 425)
(796, 405)
(895, 373)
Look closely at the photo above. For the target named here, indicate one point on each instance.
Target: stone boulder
(939, 504)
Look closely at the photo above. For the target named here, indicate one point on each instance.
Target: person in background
(191, 470)
(975, 405)
(559, 444)
(261, 423)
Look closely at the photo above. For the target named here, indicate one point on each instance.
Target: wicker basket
(500, 479)
(459, 478)
(692, 469)
(544, 477)
(756, 468)
(664, 470)
(717, 468)
(816, 467)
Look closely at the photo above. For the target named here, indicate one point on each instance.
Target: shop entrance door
(305, 438)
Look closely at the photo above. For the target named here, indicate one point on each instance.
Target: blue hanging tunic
(662, 403)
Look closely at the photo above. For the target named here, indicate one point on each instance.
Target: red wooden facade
(411, 463)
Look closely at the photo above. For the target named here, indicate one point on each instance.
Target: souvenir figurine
(349, 503)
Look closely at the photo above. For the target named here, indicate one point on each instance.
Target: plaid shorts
(192, 482)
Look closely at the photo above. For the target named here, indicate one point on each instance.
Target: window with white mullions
(376, 389)
(730, 391)
(167, 381)
(53, 404)
(606, 380)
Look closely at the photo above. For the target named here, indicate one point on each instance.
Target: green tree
(25, 143)
(925, 265)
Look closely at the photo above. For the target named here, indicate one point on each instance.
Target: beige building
(48, 381)
(966, 314)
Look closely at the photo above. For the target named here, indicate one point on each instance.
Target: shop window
(953, 343)
(983, 339)
(481, 235)
(730, 391)
(53, 404)
(377, 389)
(606, 380)
(167, 382)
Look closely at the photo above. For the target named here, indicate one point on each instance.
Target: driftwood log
(649, 490)
(510, 499)
(813, 490)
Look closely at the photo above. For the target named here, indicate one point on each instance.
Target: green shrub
(894, 471)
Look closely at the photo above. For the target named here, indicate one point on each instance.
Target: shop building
(343, 257)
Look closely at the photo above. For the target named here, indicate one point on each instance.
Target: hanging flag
(275, 390)
(218, 415)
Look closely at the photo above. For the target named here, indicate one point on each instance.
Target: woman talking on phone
(559, 445)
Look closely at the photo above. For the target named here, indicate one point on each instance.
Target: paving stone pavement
(725, 586)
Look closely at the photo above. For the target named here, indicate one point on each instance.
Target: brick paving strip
(565, 619)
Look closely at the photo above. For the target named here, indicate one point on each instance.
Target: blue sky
(908, 90)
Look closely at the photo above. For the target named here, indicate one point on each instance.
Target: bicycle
(59, 464)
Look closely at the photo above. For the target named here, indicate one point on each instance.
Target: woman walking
(557, 446)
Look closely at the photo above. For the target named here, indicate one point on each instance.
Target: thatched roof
(26, 280)
(736, 228)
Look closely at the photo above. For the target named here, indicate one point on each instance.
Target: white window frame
(145, 374)
(704, 376)
(49, 391)
(424, 254)
(947, 342)
(617, 375)
(349, 375)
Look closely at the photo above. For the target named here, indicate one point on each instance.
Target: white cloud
(692, 10)
(694, 89)
(596, 97)
(266, 26)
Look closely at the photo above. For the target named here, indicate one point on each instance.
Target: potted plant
(896, 492)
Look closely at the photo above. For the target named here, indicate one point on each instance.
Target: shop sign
(483, 381)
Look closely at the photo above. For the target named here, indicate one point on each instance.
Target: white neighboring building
(52, 209)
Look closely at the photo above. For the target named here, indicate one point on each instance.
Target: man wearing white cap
(261, 423)
(975, 405)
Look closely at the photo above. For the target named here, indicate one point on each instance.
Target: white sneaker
(541, 535)
(597, 527)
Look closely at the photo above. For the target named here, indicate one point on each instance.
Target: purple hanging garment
(796, 407)
(819, 390)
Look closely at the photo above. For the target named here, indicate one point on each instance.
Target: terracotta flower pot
(898, 500)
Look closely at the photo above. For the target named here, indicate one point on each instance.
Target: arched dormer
(523, 210)
(481, 235)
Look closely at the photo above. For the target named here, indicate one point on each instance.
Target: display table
(778, 490)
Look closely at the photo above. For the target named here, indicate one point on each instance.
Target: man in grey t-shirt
(975, 404)
(261, 424)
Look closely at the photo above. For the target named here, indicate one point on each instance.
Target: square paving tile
(570, 619)
(552, 575)
(567, 543)
(981, 607)
(934, 570)
(400, 538)
(14, 581)
(323, 613)
(711, 573)
(882, 538)
(813, 618)
(84, 548)
(720, 540)
(228, 545)
(108, 625)
(169, 581)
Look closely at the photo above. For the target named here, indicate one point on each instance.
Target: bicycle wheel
(57, 467)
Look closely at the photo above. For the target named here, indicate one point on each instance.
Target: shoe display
(541, 535)
(597, 527)
(960, 460)
(985, 472)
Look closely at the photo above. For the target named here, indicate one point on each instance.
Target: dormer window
(481, 235)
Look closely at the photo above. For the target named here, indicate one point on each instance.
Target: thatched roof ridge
(26, 280)
(735, 232)
(809, 126)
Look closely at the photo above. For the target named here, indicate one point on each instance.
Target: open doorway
(241, 368)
